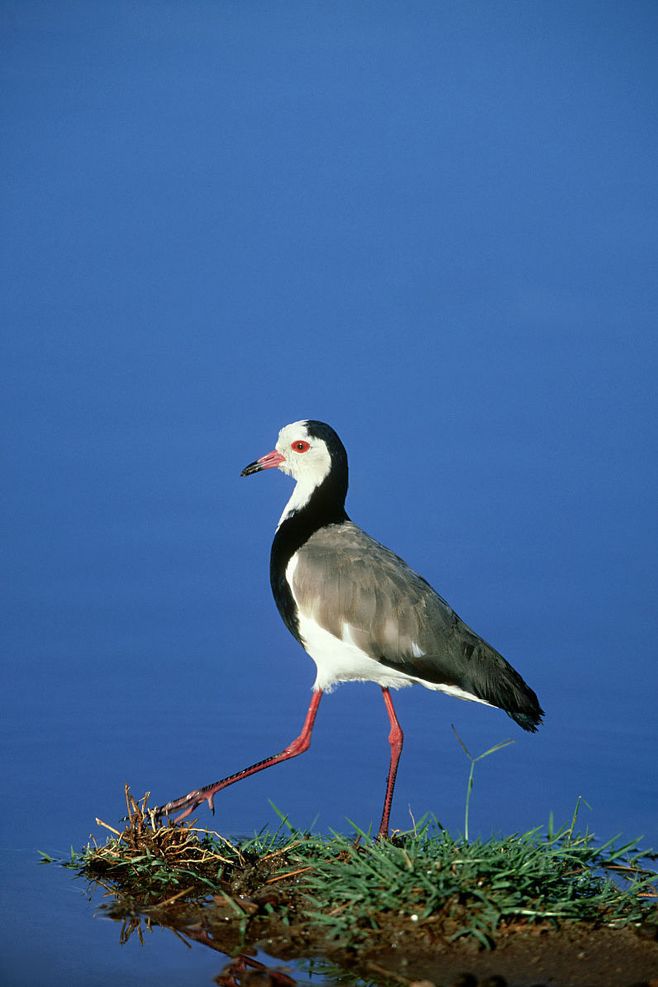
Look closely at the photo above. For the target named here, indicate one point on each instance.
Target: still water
(431, 228)
(82, 726)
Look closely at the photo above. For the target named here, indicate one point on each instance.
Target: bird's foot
(188, 803)
(383, 836)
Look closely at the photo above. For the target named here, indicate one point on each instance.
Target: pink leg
(395, 739)
(207, 794)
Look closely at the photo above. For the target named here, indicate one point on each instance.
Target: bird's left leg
(188, 803)
(395, 739)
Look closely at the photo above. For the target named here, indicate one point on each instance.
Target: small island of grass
(366, 904)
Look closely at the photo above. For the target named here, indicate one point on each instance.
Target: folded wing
(357, 589)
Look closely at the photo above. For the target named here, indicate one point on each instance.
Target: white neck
(300, 497)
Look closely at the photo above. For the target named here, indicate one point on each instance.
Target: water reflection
(241, 970)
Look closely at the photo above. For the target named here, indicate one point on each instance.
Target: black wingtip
(529, 721)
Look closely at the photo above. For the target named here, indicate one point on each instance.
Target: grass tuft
(424, 884)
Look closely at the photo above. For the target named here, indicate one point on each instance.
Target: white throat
(299, 498)
(308, 466)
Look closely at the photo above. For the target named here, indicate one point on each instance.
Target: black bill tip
(254, 467)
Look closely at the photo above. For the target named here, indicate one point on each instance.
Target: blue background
(432, 225)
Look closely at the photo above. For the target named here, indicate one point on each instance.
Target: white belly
(340, 660)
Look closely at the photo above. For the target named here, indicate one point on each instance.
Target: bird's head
(306, 450)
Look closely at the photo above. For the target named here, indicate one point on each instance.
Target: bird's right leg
(188, 803)
(395, 739)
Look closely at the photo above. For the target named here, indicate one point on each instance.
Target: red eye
(300, 446)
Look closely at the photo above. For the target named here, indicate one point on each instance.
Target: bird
(360, 612)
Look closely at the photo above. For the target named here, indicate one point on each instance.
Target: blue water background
(432, 225)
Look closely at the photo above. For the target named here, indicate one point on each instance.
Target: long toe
(187, 802)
